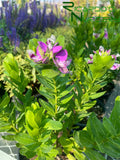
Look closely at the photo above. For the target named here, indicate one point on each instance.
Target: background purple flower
(1, 42)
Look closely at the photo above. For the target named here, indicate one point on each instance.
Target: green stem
(56, 106)
(15, 129)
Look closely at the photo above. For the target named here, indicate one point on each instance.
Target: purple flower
(114, 56)
(105, 34)
(96, 35)
(62, 65)
(101, 49)
(1, 42)
(2, 32)
(115, 66)
(33, 56)
(51, 50)
(13, 37)
(90, 61)
(91, 56)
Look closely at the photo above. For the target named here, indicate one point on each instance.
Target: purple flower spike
(62, 55)
(115, 66)
(1, 42)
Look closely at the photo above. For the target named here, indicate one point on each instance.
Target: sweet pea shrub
(45, 126)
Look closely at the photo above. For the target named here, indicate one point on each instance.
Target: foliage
(42, 127)
(102, 137)
(19, 24)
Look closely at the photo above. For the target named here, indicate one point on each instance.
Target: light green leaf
(61, 40)
(67, 98)
(24, 139)
(50, 73)
(65, 92)
(30, 118)
(97, 95)
(53, 125)
(48, 107)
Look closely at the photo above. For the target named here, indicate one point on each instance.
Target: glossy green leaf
(30, 118)
(50, 73)
(24, 139)
(53, 125)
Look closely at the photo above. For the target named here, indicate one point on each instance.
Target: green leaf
(30, 118)
(46, 148)
(9, 137)
(116, 113)
(68, 90)
(77, 138)
(85, 139)
(95, 128)
(66, 143)
(45, 82)
(61, 40)
(50, 73)
(94, 155)
(97, 95)
(79, 155)
(24, 139)
(67, 98)
(109, 126)
(33, 146)
(80, 52)
(5, 102)
(53, 125)
(48, 107)
(29, 154)
(33, 43)
(5, 128)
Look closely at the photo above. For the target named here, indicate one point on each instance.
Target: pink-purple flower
(105, 34)
(102, 52)
(115, 66)
(96, 35)
(51, 50)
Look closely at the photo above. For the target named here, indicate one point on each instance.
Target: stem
(56, 106)
(15, 129)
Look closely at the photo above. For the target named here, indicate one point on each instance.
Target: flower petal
(94, 51)
(36, 59)
(117, 55)
(56, 49)
(68, 62)
(114, 56)
(115, 66)
(39, 53)
(91, 56)
(62, 55)
(64, 70)
(90, 61)
(43, 46)
(108, 51)
(31, 53)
